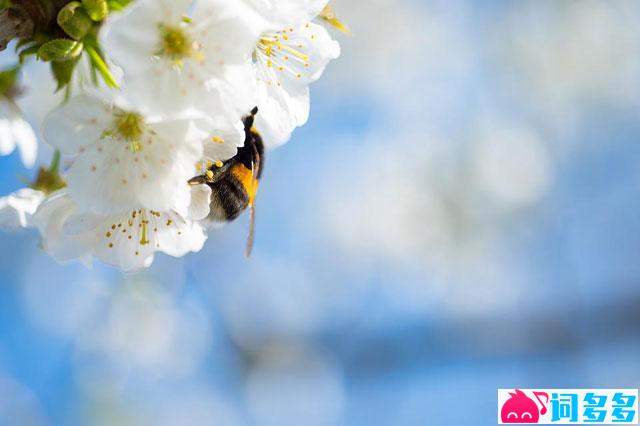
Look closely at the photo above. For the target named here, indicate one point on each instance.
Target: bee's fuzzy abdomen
(229, 199)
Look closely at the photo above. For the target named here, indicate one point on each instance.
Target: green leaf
(97, 9)
(74, 20)
(62, 72)
(60, 50)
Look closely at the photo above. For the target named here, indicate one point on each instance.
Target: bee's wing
(255, 170)
(252, 231)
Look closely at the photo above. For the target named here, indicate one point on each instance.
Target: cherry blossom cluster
(161, 95)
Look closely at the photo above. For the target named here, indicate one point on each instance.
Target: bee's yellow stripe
(245, 177)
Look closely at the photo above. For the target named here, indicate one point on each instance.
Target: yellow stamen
(135, 146)
(267, 47)
(144, 222)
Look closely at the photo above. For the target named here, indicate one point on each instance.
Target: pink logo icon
(522, 409)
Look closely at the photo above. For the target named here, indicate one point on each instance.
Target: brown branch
(25, 17)
(14, 24)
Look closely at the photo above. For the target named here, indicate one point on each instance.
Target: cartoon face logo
(522, 409)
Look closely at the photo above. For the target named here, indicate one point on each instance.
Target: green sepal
(62, 72)
(23, 42)
(97, 9)
(28, 51)
(99, 65)
(74, 20)
(60, 50)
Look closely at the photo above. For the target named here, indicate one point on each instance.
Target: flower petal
(26, 140)
(109, 177)
(15, 131)
(76, 124)
(7, 143)
(282, 13)
(161, 84)
(50, 219)
(225, 140)
(127, 241)
(280, 114)
(17, 209)
(200, 202)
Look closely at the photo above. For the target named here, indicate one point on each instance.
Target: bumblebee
(234, 183)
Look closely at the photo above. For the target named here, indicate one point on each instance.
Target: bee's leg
(198, 180)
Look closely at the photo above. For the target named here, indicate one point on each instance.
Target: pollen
(267, 43)
(175, 43)
(219, 164)
(217, 140)
(128, 126)
(209, 174)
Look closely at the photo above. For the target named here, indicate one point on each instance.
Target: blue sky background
(459, 215)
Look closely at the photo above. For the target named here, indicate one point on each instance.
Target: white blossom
(16, 132)
(287, 59)
(127, 240)
(123, 159)
(176, 55)
(17, 209)
(181, 74)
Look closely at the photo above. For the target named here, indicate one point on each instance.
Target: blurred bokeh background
(461, 214)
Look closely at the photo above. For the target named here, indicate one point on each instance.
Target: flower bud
(97, 9)
(74, 20)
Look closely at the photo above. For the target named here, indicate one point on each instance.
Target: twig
(14, 24)
(24, 18)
